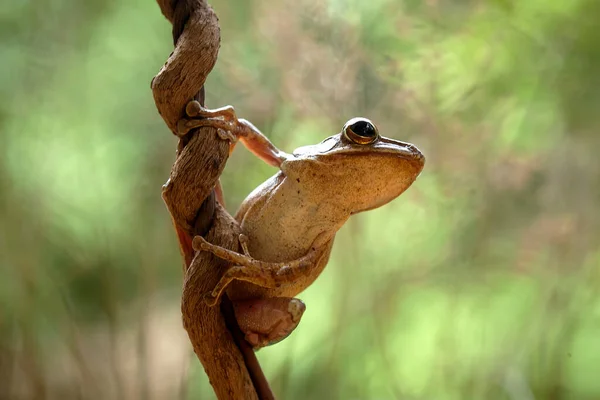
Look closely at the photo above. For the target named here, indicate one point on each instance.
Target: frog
(290, 221)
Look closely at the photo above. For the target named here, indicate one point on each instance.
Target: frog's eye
(361, 131)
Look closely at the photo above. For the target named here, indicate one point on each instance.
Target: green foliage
(480, 282)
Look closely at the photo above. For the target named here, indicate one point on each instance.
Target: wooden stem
(230, 363)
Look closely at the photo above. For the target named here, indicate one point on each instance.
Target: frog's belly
(240, 290)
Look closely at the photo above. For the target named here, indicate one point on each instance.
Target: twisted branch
(228, 360)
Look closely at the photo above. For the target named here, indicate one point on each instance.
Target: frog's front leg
(268, 321)
(229, 127)
(261, 273)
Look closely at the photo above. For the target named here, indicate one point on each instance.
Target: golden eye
(361, 131)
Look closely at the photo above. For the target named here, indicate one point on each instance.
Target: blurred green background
(481, 282)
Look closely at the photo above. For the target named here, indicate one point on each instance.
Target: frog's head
(357, 169)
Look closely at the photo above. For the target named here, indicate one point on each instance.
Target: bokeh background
(480, 282)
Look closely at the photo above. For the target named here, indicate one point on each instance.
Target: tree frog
(290, 221)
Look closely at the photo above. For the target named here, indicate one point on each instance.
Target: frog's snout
(417, 155)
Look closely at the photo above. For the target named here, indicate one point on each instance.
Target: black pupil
(364, 129)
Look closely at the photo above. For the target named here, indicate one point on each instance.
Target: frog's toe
(296, 308)
(253, 338)
(193, 108)
(210, 299)
(183, 127)
(226, 135)
(199, 243)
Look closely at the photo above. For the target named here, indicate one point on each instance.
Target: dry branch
(228, 360)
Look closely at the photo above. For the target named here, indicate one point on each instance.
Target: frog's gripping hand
(230, 128)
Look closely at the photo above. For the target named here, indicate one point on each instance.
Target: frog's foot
(268, 321)
(261, 273)
(253, 274)
(244, 243)
(223, 119)
(194, 109)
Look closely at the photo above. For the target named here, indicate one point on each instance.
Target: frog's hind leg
(261, 273)
(268, 321)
